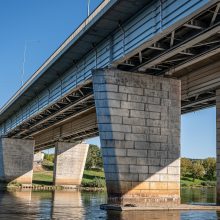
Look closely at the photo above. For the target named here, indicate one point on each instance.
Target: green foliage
(208, 183)
(186, 166)
(210, 168)
(94, 158)
(189, 182)
(43, 178)
(93, 178)
(96, 182)
(49, 157)
(48, 165)
(198, 170)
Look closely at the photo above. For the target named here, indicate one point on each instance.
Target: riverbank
(91, 178)
(188, 182)
(96, 179)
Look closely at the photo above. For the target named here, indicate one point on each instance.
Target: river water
(76, 205)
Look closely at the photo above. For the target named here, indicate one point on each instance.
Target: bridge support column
(218, 145)
(70, 161)
(16, 160)
(139, 125)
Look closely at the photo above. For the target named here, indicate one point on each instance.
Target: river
(76, 205)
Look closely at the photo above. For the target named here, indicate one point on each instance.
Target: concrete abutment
(16, 160)
(139, 126)
(69, 163)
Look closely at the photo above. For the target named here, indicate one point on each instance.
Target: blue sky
(44, 25)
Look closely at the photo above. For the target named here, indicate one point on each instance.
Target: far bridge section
(126, 74)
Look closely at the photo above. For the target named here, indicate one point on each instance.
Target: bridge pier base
(70, 161)
(16, 160)
(139, 125)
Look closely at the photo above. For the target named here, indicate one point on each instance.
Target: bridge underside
(189, 52)
(73, 117)
(135, 108)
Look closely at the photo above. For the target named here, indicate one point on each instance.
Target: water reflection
(69, 201)
(76, 205)
(144, 215)
(198, 195)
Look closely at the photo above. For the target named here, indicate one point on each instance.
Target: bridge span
(126, 74)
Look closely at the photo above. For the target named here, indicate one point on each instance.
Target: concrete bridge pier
(16, 160)
(139, 125)
(70, 161)
(218, 145)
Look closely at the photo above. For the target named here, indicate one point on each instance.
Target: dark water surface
(76, 205)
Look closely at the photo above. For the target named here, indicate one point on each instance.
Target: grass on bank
(43, 178)
(189, 182)
(91, 178)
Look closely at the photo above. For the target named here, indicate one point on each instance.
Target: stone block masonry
(16, 160)
(139, 125)
(70, 161)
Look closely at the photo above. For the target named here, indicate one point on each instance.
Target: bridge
(126, 74)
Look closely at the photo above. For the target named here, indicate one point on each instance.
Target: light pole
(24, 60)
(88, 8)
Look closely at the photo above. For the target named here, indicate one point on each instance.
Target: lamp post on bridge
(24, 59)
(88, 8)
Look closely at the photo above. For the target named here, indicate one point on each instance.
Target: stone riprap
(139, 125)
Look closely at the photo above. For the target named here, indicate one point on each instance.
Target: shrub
(96, 182)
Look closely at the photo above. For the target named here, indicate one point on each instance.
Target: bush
(96, 182)
(49, 157)
(208, 183)
(183, 185)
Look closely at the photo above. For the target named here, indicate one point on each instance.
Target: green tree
(198, 170)
(209, 165)
(49, 157)
(94, 157)
(186, 166)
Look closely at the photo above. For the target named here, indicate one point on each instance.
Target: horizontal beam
(179, 48)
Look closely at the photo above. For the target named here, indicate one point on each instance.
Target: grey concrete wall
(218, 144)
(16, 160)
(70, 161)
(139, 125)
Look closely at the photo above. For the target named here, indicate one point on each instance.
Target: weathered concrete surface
(218, 145)
(139, 124)
(16, 160)
(70, 161)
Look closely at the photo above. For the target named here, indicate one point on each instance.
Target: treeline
(204, 169)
